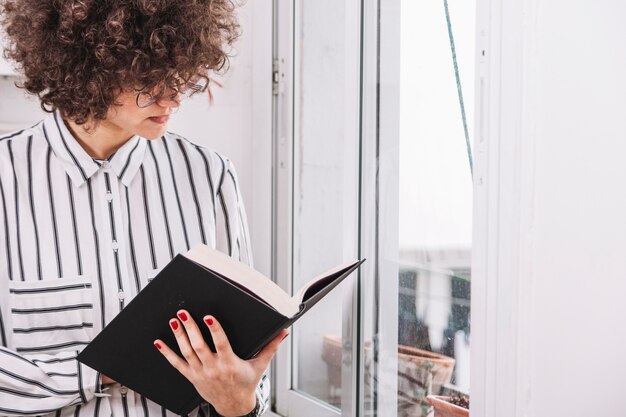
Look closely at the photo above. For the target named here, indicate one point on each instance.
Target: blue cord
(458, 87)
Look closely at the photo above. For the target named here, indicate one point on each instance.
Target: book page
(244, 276)
(322, 279)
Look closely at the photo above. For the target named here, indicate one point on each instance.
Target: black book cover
(124, 350)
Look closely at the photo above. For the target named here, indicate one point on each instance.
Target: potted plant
(456, 405)
(420, 373)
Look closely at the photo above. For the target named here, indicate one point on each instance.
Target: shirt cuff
(263, 403)
(89, 382)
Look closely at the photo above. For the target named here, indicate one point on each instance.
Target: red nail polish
(174, 324)
(158, 345)
(182, 315)
(209, 321)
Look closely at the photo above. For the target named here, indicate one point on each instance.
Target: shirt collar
(79, 165)
(127, 160)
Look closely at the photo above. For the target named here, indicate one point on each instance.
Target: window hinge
(275, 77)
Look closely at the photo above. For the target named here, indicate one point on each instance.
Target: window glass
(325, 185)
(435, 201)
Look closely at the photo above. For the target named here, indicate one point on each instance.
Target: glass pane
(325, 200)
(435, 203)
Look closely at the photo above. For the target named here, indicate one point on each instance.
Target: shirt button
(121, 295)
(109, 196)
(115, 245)
(106, 165)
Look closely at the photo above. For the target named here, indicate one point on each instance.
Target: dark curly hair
(79, 55)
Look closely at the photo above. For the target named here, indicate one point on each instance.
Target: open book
(251, 308)
(263, 288)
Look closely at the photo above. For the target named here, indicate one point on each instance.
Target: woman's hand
(106, 380)
(222, 378)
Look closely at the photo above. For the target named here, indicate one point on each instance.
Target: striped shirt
(79, 238)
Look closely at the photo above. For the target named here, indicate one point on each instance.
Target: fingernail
(208, 321)
(158, 345)
(182, 315)
(174, 324)
(284, 337)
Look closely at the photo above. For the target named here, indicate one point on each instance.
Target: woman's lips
(160, 119)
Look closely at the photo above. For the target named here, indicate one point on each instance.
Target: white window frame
(289, 402)
(500, 353)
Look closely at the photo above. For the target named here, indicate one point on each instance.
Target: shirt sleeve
(232, 237)
(263, 393)
(231, 234)
(42, 384)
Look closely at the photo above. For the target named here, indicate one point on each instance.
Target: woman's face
(149, 122)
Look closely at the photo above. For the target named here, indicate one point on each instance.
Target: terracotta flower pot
(443, 408)
(420, 373)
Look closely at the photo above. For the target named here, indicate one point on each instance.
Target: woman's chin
(152, 134)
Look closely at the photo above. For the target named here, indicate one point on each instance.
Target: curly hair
(79, 55)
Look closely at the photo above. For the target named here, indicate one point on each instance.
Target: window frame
(500, 365)
(500, 359)
(290, 402)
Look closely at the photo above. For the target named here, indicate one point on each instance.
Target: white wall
(548, 295)
(580, 209)
(17, 109)
(5, 66)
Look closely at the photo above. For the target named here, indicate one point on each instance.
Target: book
(251, 308)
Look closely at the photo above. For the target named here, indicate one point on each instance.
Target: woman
(98, 197)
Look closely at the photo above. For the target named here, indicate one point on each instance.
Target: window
(435, 195)
(378, 168)
(322, 190)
